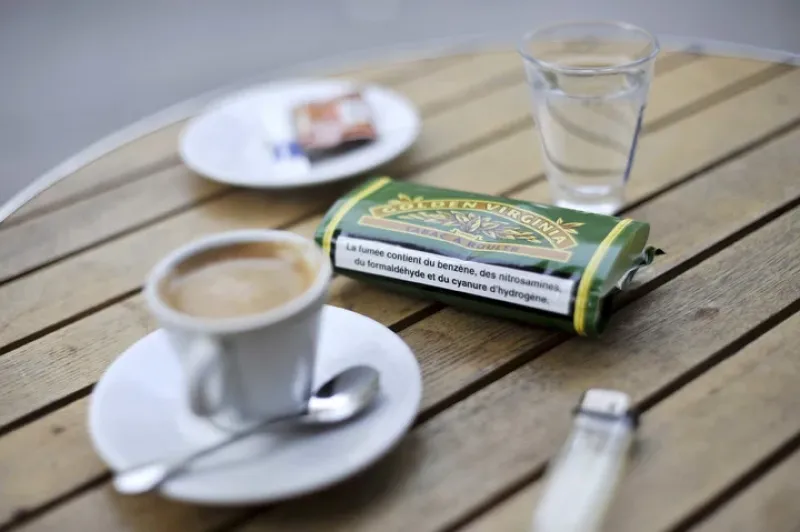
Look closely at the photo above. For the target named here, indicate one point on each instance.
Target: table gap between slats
(166, 140)
(781, 227)
(768, 504)
(523, 195)
(683, 380)
(499, 68)
(75, 189)
(422, 312)
(636, 506)
(153, 198)
(748, 478)
(95, 172)
(439, 175)
(534, 198)
(588, 352)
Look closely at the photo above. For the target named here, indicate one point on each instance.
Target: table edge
(404, 52)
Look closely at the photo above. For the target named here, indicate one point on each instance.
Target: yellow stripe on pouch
(588, 276)
(342, 212)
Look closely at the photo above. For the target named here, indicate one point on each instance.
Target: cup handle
(205, 356)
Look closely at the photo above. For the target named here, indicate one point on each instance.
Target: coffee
(237, 280)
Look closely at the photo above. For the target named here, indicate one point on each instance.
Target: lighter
(581, 481)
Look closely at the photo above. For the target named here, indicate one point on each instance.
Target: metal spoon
(343, 397)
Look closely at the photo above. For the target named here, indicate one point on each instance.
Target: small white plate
(230, 142)
(138, 413)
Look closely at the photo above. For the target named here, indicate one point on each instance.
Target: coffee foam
(237, 280)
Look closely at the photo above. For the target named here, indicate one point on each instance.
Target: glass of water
(589, 83)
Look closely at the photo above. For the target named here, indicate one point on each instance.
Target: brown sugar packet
(337, 123)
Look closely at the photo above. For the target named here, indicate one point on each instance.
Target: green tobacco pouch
(536, 263)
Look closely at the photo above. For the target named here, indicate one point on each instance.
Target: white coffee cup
(245, 369)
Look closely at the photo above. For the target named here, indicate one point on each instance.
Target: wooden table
(707, 345)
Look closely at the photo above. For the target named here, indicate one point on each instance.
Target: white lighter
(582, 479)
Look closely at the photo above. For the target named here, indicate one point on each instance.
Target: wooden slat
(146, 154)
(501, 435)
(100, 216)
(510, 162)
(733, 124)
(698, 441)
(40, 240)
(159, 147)
(456, 349)
(514, 514)
(497, 437)
(450, 85)
(156, 152)
(705, 77)
(396, 72)
(507, 109)
(708, 434)
(108, 213)
(105, 214)
(769, 505)
(682, 223)
(710, 131)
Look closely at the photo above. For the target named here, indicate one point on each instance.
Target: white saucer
(230, 141)
(137, 414)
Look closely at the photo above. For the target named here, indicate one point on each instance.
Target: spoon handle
(150, 476)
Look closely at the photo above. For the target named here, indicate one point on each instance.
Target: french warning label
(528, 289)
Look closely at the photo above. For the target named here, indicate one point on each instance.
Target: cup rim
(171, 317)
(577, 70)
